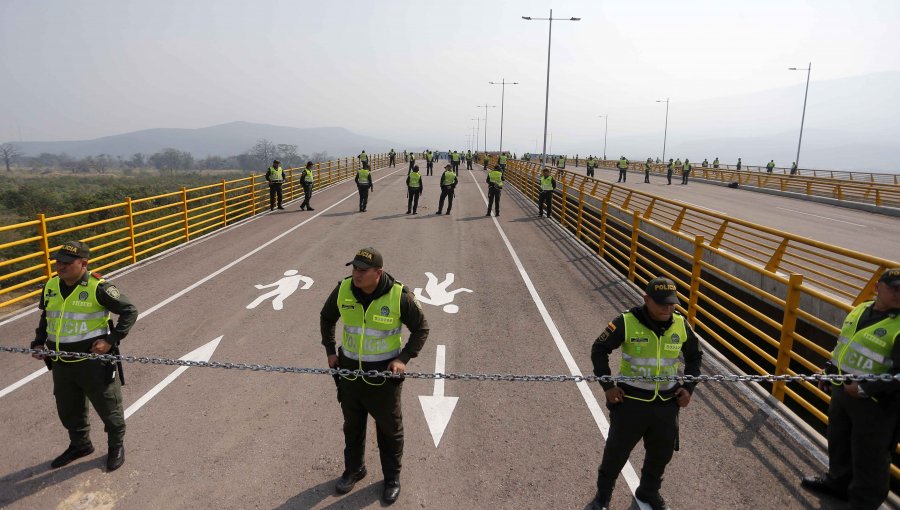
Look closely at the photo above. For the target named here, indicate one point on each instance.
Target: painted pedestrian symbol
(438, 295)
(283, 288)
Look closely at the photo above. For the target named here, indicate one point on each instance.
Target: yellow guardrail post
(580, 211)
(253, 195)
(45, 244)
(602, 242)
(129, 214)
(184, 214)
(562, 209)
(290, 185)
(788, 325)
(627, 201)
(319, 171)
(696, 272)
(632, 257)
(224, 204)
(839, 192)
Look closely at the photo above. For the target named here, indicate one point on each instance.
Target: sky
(414, 71)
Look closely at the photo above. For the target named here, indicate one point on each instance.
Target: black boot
(72, 453)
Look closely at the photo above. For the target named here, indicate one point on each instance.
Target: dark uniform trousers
(358, 401)
(363, 196)
(393, 159)
(274, 191)
(623, 174)
(307, 193)
(429, 167)
(446, 192)
(657, 423)
(669, 175)
(494, 199)
(861, 436)
(647, 175)
(684, 176)
(590, 171)
(546, 197)
(76, 383)
(412, 202)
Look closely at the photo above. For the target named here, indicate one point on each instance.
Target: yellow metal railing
(123, 233)
(796, 286)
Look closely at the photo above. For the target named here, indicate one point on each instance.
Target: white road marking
(628, 472)
(437, 407)
(203, 353)
(196, 284)
(820, 216)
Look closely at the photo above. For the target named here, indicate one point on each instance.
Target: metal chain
(763, 378)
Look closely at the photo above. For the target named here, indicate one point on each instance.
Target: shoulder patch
(112, 292)
(97, 276)
(610, 328)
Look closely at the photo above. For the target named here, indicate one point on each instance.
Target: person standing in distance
(392, 158)
(363, 158)
(652, 338)
(448, 189)
(647, 165)
(275, 178)
(364, 185)
(863, 416)
(686, 171)
(548, 184)
(413, 190)
(622, 165)
(306, 180)
(75, 307)
(372, 306)
(495, 186)
(670, 167)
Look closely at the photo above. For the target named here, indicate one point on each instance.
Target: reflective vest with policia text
(495, 176)
(448, 179)
(868, 350)
(363, 175)
(276, 175)
(415, 180)
(76, 318)
(371, 334)
(645, 354)
(547, 183)
(308, 175)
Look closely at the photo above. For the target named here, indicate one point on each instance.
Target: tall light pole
(503, 84)
(666, 131)
(547, 94)
(803, 118)
(605, 130)
(485, 106)
(477, 131)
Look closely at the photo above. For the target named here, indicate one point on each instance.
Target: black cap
(891, 277)
(72, 250)
(367, 258)
(663, 291)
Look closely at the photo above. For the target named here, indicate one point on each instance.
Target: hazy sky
(413, 71)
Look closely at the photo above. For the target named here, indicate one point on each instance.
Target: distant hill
(222, 140)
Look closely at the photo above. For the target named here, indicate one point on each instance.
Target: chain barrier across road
(763, 378)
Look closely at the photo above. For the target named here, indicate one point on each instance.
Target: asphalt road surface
(216, 438)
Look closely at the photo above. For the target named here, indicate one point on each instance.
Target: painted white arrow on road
(437, 407)
(203, 353)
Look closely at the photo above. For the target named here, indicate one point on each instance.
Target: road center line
(628, 471)
(820, 216)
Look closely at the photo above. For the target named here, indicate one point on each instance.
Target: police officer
(306, 180)
(413, 190)
(363, 158)
(495, 186)
(364, 185)
(429, 162)
(652, 338)
(686, 171)
(670, 167)
(738, 164)
(863, 417)
(392, 156)
(75, 310)
(501, 160)
(372, 303)
(412, 163)
(716, 162)
(622, 165)
(275, 178)
(485, 160)
(590, 163)
(454, 159)
(794, 168)
(647, 165)
(679, 167)
(562, 162)
(705, 163)
(448, 189)
(770, 166)
(469, 160)
(548, 184)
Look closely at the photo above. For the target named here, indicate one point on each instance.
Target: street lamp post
(503, 84)
(666, 131)
(477, 131)
(485, 106)
(605, 130)
(547, 93)
(803, 118)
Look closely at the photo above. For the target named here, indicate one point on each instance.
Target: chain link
(763, 378)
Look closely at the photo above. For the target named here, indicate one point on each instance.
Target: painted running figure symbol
(438, 294)
(284, 288)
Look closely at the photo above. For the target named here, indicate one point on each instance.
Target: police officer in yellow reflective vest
(413, 190)
(392, 158)
(364, 185)
(372, 305)
(647, 166)
(469, 159)
(652, 337)
(454, 160)
(501, 160)
(275, 177)
(591, 163)
(864, 417)
(448, 189)
(75, 308)
(495, 186)
(548, 184)
(307, 180)
(622, 165)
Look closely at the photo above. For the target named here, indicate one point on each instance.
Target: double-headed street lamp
(547, 95)
(503, 83)
(666, 131)
(605, 130)
(485, 106)
(803, 118)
